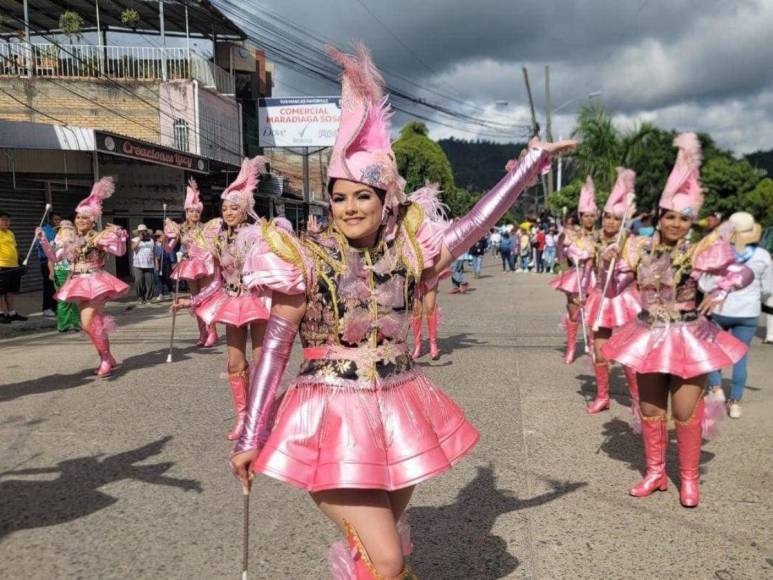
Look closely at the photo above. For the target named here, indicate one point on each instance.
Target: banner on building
(298, 121)
(141, 151)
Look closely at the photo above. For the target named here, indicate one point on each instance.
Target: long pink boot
(571, 338)
(211, 332)
(655, 437)
(688, 441)
(239, 383)
(633, 388)
(601, 402)
(433, 320)
(101, 325)
(202, 332)
(416, 327)
(354, 563)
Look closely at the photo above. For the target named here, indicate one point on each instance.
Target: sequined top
(357, 300)
(87, 254)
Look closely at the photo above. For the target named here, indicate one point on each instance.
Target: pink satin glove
(736, 277)
(264, 382)
(46, 246)
(214, 285)
(464, 232)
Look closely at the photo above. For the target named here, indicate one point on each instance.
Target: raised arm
(286, 314)
(112, 240)
(464, 232)
(53, 257)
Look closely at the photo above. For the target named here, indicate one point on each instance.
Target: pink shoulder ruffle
(713, 257)
(264, 269)
(113, 242)
(430, 239)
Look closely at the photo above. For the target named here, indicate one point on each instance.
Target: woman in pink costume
(89, 285)
(197, 266)
(672, 345)
(578, 247)
(620, 304)
(360, 426)
(425, 303)
(227, 299)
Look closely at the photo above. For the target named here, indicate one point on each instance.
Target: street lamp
(570, 101)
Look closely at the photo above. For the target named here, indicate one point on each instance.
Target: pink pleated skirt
(685, 349)
(235, 310)
(615, 311)
(98, 286)
(567, 282)
(333, 437)
(193, 269)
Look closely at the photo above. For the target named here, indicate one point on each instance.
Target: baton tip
(244, 575)
(169, 358)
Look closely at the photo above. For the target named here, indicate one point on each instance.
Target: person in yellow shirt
(10, 272)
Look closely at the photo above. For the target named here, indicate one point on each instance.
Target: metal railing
(116, 62)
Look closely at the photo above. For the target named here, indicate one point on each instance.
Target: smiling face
(233, 214)
(192, 215)
(83, 223)
(356, 209)
(674, 226)
(610, 223)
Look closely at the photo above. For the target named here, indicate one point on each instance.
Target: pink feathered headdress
(622, 194)
(683, 192)
(241, 189)
(192, 199)
(363, 151)
(588, 197)
(92, 205)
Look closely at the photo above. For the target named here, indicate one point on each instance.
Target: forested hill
(477, 165)
(760, 159)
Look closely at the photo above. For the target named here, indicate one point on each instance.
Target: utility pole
(548, 131)
(534, 126)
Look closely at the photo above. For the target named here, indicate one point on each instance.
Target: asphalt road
(127, 477)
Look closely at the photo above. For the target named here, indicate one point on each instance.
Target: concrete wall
(85, 103)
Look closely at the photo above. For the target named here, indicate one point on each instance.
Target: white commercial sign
(298, 121)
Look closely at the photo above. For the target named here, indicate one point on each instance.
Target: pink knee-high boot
(601, 402)
(433, 320)
(633, 388)
(416, 327)
(202, 331)
(655, 436)
(351, 561)
(211, 335)
(571, 337)
(100, 327)
(688, 440)
(239, 383)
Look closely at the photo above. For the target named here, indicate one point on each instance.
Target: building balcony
(130, 63)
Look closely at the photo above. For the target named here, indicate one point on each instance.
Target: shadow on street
(74, 493)
(455, 541)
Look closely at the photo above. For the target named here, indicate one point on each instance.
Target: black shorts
(10, 280)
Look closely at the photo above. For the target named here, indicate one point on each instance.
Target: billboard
(298, 121)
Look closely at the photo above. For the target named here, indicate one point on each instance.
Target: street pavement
(127, 477)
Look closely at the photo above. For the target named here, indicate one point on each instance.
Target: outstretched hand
(240, 466)
(554, 148)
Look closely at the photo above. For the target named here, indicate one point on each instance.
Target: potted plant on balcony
(130, 17)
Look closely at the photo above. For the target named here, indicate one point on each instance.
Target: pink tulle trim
(193, 269)
(235, 310)
(682, 349)
(615, 311)
(332, 437)
(98, 286)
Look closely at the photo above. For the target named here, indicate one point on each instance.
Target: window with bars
(181, 135)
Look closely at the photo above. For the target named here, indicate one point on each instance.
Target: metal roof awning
(204, 19)
(29, 135)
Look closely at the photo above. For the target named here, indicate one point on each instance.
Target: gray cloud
(689, 64)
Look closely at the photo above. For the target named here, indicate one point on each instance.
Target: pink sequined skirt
(235, 310)
(685, 349)
(332, 437)
(193, 269)
(98, 286)
(615, 311)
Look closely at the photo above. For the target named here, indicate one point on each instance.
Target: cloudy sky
(704, 65)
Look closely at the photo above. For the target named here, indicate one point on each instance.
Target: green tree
(759, 202)
(726, 182)
(421, 160)
(567, 197)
